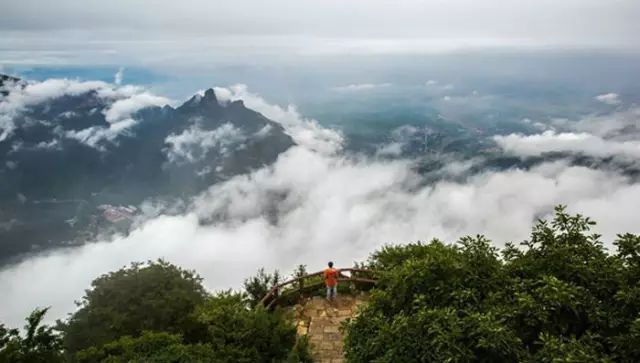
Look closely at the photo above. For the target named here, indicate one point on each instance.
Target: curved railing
(300, 286)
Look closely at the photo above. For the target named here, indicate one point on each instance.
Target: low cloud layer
(317, 203)
(580, 143)
(358, 87)
(122, 102)
(193, 143)
(305, 132)
(614, 135)
(609, 98)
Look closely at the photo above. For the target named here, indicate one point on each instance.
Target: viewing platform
(317, 318)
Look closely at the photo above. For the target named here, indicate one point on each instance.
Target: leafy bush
(158, 312)
(258, 286)
(156, 296)
(241, 334)
(559, 298)
(301, 352)
(149, 347)
(39, 345)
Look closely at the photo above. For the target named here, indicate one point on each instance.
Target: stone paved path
(320, 320)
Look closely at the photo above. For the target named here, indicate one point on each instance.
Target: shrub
(560, 297)
(156, 296)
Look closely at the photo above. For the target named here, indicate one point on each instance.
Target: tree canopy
(40, 343)
(156, 296)
(559, 298)
(158, 312)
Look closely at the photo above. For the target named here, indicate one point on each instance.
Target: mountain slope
(71, 164)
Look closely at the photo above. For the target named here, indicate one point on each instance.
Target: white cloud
(124, 108)
(357, 87)
(24, 95)
(121, 103)
(610, 135)
(620, 125)
(6, 127)
(336, 209)
(52, 144)
(119, 76)
(92, 136)
(401, 136)
(21, 96)
(393, 148)
(194, 143)
(458, 168)
(583, 143)
(115, 93)
(609, 98)
(263, 132)
(315, 204)
(304, 131)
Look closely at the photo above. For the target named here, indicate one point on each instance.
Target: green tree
(40, 343)
(301, 352)
(559, 297)
(258, 286)
(156, 296)
(241, 334)
(157, 347)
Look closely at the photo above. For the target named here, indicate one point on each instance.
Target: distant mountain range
(69, 172)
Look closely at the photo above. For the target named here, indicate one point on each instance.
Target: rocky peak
(210, 96)
(208, 101)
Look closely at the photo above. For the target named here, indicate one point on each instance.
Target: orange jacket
(330, 276)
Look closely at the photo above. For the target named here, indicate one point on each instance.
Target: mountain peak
(208, 100)
(210, 96)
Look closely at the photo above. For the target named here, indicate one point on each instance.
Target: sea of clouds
(318, 203)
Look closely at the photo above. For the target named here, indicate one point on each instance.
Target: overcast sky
(320, 26)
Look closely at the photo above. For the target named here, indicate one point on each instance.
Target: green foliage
(158, 312)
(258, 286)
(559, 298)
(161, 313)
(40, 344)
(241, 334)
(149, 347)
(301, 352)
(156, 296)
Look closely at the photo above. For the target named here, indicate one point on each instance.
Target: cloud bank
(121, 103)
(194, 143)
(357, 87)
(582, 143)
(609, 98)
(614, 135)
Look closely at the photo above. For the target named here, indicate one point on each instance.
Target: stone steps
(320, 320)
